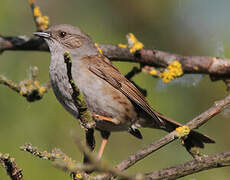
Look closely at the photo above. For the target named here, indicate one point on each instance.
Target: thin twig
(135, 70)
(42, 22)
(191, 167)
(11, 167)
(29, 88)
(64, 162)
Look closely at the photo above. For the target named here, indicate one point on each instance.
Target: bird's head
(68, 38)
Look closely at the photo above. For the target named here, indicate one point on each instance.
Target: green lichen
(85, 117)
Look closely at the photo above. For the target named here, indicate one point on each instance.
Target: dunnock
(109, 95)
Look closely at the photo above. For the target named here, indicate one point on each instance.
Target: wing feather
(104, 69)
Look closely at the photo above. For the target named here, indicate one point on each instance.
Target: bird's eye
(62, 34)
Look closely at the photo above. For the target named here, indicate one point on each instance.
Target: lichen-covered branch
(62, 161)
(191, 167)
(42, 22)
(190, 64)
(198, 121)
(57, 157)
(28, 88)
(67, 164)
(11, 167)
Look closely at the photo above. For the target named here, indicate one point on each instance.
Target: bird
(110, 97)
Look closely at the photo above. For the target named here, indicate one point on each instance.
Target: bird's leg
(105, 135)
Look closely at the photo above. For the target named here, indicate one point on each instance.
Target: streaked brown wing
(104, 69)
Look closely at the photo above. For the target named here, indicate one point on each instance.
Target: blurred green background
(181, 26)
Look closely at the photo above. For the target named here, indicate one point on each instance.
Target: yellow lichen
(78, 175)
(134, 44)
(36, 83)
(42, 90)
(37, 12)
(30, 87)
(172, 71)
(6, 156)
(23, 90)
(182, 131)
(153, 72)
(41, 21)
(123, 45)
(99, 49)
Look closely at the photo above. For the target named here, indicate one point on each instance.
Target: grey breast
(99, 95)
(60, 84)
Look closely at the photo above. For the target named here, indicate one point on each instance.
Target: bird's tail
(194, 139)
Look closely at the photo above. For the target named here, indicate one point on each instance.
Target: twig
(215, 109)
(64, 162)
(42, 22)
(11, 167)
(57, 157)
(133, 72)
(193, 124)
(191, 167)
(40, 154)
(28, 88)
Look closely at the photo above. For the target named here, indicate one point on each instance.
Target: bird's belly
(62, 91)
(102, 99)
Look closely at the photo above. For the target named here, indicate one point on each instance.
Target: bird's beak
(43, 34)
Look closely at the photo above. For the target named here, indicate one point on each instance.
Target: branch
(11, 167)
(28, 88)
(191, 167)
(198, 121)
(57, 157)
(67, 164)
(191, 64)
(42, 22)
